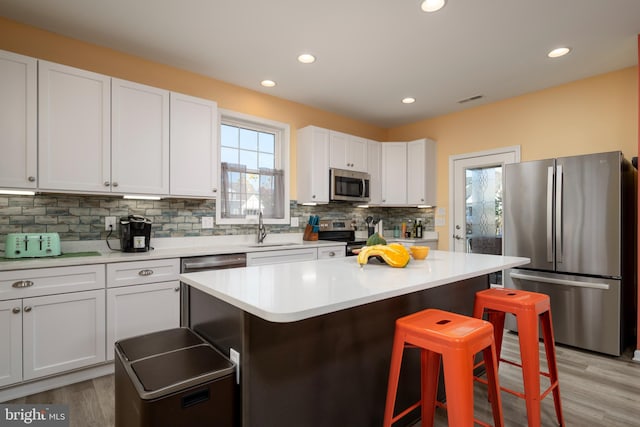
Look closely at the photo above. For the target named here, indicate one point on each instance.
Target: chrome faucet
(262, 232)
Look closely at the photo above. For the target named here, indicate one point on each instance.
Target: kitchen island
(315, 337)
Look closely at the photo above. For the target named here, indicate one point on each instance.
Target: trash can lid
(177, 370)
(141, 346)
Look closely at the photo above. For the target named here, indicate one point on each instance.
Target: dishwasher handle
(214, 262)
(565, 282)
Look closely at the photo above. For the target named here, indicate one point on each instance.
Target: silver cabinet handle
(16, 310)
(32, 179)
(107, 183)
(27, 309)
(22, 284)
(145, 272)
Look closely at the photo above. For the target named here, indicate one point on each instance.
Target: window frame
(282, 158)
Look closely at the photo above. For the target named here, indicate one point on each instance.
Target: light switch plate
(207, 222)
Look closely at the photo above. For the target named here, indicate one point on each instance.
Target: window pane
(249, 158)
(229, 136)
(229, 155)
(267, 142)
(248, 139)
(266, 160)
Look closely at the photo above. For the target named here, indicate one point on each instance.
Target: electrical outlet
(207, 222)
(110, 223)
(294, 221)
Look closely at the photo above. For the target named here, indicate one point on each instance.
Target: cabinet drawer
(47, 281)
(331, 252)
(141, 272)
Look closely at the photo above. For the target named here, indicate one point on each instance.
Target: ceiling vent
(471, 98)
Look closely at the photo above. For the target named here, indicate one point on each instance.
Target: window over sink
(254, 168)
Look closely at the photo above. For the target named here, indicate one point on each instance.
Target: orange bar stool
(530, 309)
(455, 339)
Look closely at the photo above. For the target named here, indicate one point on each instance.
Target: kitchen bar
(315, 337)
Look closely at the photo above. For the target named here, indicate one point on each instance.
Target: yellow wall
(30, 41)
(587, 116)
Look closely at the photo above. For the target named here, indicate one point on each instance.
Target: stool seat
(531, 310)
(454, 339)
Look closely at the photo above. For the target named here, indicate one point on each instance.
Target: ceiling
(370, 54)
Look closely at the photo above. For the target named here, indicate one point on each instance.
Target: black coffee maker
(135, 233)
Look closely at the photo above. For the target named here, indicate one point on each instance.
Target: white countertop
(175, 247)
(297, 291)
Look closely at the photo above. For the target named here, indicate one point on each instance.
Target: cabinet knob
(332, 253)
(32, 179)
(107, 183)
(27, 309)
(313, 197)
(215, 190)
(22, 284)
(145, 272)
(16, 310)
(422, 200)
(115, 184)
(177, 289)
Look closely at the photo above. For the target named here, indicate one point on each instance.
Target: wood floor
(596, 390)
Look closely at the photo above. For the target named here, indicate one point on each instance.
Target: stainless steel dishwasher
(204, 263)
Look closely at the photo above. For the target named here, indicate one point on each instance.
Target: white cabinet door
(139, 138)
(347, 152)
(312, 165)
(11, 339)
(374, 168)
(18, 121)
(281, 256)
(194, 146)
(74, 129)
(421, 185)
(394, 173)
(63, 332)
(137, 310)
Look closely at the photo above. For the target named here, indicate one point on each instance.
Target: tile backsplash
(82, 217)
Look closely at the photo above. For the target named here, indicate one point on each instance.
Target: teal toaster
(31, 245)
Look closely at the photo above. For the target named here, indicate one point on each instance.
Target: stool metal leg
(394, 376)
(491, 366)
(430, 372)
(550, 350)
(458, 370)
(530, 354)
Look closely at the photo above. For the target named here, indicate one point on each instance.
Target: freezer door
(586, 312)
(528, 212)
(588, 214)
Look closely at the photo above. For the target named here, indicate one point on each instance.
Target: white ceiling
(370, 54)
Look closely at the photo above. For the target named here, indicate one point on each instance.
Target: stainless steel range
(341, 230)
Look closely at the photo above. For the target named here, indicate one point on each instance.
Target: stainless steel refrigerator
(575, 218)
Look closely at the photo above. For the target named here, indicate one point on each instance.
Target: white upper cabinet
(74, 129)
(194, 146)
(421, 172)
(394, 173)
(18, 121)
(139, 138)
(347, 152)
(312, 165)
(374, 168)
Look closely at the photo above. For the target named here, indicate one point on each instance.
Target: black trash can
(173, 378)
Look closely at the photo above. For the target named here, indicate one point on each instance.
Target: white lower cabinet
(62, 332)
(142, 297)
(52, 320)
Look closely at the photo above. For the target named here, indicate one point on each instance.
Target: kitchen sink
(270, 245)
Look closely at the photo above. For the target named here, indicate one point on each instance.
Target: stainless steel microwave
(349, 186)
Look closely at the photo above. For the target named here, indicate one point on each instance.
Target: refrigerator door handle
(559, 225)
(550, 214)
(575, 283)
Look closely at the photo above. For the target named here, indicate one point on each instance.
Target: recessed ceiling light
(268, 83)
(408, 100)
(556, 53)
(307, 58)
(432, 5)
